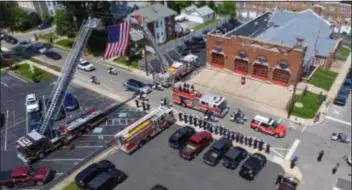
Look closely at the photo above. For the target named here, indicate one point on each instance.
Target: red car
(269, 126)
(195, 145)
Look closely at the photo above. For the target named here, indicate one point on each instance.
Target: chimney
(299, 42)
(165, 3)
(318, 9)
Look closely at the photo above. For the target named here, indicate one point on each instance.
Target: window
(294, 3)
(162, 34)
(157, 35)
(156, 24)
(51, 12)
(161, 23)
(218, 58)
(342, 9)
(265, 125)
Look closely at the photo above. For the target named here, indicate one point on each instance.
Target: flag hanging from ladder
(118, 37)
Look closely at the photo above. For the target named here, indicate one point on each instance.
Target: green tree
(179, 5)
(47, 17)
(64, 22)
(211, 5)
(18, 18)
(34, 18)
(227, 8)
(201, 3)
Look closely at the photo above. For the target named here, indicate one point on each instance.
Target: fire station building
(278, 48)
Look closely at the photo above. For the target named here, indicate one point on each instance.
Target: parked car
(34, 119)
(183, 50)
(85, 65)
(10, 39)
(341, 97)
(217, 151)
(188, 42)
(25, 44)
(268, 126)
(24, 176)
(86, 175)
(233, 157)
(70, 102)
(53, 55)
(179, 138)
(158, 187)
(195, 145)
(196, 39)
(44, 25)
(137, 86)
(32, 104)
(288, 182)
(252, 166)
(39, 48)
(60, 115)
(347, 83)
(107, 180)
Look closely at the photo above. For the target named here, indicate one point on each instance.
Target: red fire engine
(185, 95)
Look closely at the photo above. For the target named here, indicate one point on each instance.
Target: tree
(64, 22)
(47, 17)
(21, 18)
(227, 8)
(179, 5)
(211, 5)
(34, 18)
(201, 3)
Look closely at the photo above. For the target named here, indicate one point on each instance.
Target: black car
(85, 176)
(183, 50)
(205, 32)
(53, 55)
(196, 39)
(179, 138)
(10, 39)
(233, 157)
(60, 115)
(188, 42)
(44, 25)
(252, 166)
(217, 151)
(107, 180)
(158, 187)
(39, 48)
(342, 96)
(34, 119)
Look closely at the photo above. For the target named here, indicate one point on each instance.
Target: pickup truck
(24, 176)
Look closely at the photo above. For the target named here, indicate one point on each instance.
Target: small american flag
(118, 37)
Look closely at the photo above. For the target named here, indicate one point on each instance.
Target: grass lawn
(65, 43)
(48, 36)
(310, 107)
(210, 22)
(323, 79)
(342, 53)
(24, 71)
(123, 61)
(71, 186)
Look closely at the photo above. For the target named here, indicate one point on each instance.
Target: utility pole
(293, 100)
(145, 51)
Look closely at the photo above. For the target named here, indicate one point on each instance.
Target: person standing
(279, 178)
(320, 156)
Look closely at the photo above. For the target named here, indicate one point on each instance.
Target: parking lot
(13, 92)
(156, 163)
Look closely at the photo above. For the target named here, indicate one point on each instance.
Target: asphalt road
(157, 163)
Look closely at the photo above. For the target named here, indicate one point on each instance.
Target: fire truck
(184, 66)
(144, 129)
(185, 95)
(35, 146)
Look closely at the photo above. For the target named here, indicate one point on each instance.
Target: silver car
(137, 86)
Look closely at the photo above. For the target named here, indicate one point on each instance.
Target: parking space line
(97, 135)
(89, 146)
(62, 159)
(279, 121)
(292, 149)
(18, 78)
(13, 125)
(26, 121)
(338, 120)
(304, 128)
(4, 84)
(6, 125)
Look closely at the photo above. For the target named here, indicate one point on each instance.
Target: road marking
(88, 146)
(279, 121)
(18, 78)
(337, 107)
(27, 121)
(279, 154)
(292, 149)
(97, 135)
(336, 111)
(7, 121)
(13, 125)
(62, 159)
(304, 128)
(4, 84)
(338, 120)
(59, 173)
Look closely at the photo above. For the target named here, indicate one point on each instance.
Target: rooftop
(154, 12)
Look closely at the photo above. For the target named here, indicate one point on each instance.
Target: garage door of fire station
(281, 77)
(241, 66)
(260, 71)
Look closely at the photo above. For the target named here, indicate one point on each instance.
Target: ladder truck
(168, 75)
(37, 144)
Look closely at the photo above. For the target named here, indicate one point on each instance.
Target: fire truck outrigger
(185, 95)
(34, 145)
(144, 129)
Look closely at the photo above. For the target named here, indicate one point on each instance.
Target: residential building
(41, 7)
(278, 48)
(337, 13)
(197, 15)
(159, 20)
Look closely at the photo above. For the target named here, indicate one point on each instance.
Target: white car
(85, 65)
(32, 104)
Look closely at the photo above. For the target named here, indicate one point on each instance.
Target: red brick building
(271, 51)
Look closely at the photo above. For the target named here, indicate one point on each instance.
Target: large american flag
(118, 37)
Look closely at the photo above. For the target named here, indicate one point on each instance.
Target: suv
(268, 125)
(85, 65)
(107, 180)
(32, 104)
(179, 138)
(253, 165)
(137, 86)
(93, 170)
(233, 157)
(195, 145)
(217, 151)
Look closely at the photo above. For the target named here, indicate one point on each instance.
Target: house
(159, 19)
(278, 48)
(197, 15)
(41, 7)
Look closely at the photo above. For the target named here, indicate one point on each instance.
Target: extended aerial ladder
(67, 73)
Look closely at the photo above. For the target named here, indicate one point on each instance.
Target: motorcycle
(340, 137)
(241, 115)
(94, 80)
(157, 87)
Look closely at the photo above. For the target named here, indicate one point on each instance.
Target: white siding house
(198, 15)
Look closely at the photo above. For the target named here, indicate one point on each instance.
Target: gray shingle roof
(285, 27)
(154, 12)
(205, 10)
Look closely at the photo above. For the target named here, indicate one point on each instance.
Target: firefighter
(180, 116)
(185, 118)
(246, 140)
(320, 155)
(190, 119)
(192, 88)
(255, 143)
(204, 124)
(267, 149)
(238, 138)
(334, 170)
(144, 106)
(137, 103)
(148, 106)
(293, 162)
(279, 178)
(250, 139)
(261, 145)
(195, 121)
(243, 81)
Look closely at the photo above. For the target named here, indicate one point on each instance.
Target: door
(260, 71)
(281, 77)
(217, 60)
(241, 67)
(266, 128)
